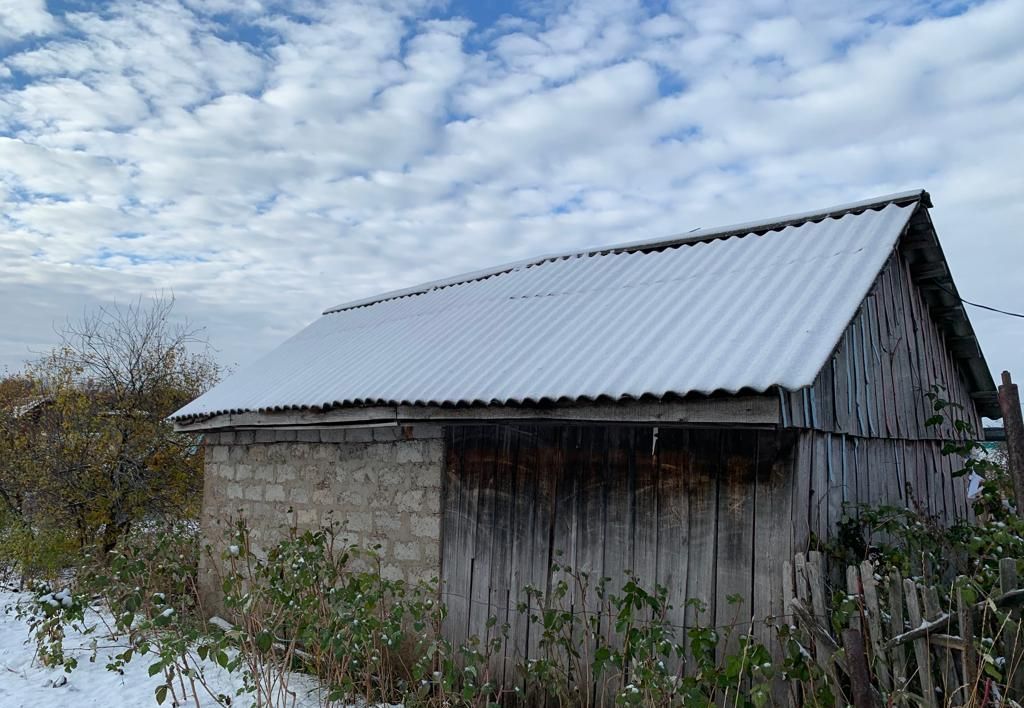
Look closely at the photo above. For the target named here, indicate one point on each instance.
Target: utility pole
(1013, 424)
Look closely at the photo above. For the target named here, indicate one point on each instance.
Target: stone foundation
(381, 486)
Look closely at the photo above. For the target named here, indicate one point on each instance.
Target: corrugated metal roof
(722, 310)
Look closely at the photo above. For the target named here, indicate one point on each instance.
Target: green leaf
(156, 668)
(161, 694)
(264, 640)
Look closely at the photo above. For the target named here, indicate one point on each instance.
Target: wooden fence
(903, 646)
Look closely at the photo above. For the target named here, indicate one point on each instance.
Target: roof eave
(930, 270)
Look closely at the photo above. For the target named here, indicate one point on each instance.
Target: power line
(976, 304)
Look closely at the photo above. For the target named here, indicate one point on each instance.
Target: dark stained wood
(735, 534)
(706, 512)
(702, 494)
(773, 536)
(674, 458)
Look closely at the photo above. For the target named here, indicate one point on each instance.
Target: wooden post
(1013, 424)
(857, 667)
(1012, 650)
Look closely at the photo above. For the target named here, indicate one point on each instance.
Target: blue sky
(265, 160)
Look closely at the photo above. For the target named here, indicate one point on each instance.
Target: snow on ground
(26, 684)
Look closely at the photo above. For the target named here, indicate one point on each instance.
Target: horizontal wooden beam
(760, 410)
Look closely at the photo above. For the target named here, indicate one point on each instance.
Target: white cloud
(24, 18)
(266, 161)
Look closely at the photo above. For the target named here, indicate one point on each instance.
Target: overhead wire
(977, 304)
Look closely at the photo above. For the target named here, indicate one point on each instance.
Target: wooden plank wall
(874, 385)
(843, 471)
(704, 512)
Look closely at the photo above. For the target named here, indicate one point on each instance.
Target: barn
(695, 409)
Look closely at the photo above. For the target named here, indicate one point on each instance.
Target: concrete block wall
(382, 486)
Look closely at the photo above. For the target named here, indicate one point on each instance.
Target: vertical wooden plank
(619, 505)
(551, 477)
(921, 653)
(524, 515)
(824, 388)
(772, 528)
(455, 526)
(873, 610)
(853, 590)
(841, 387)
(481, 468)
(943, 656)
(897, 626)
(673, 456)
(501, 598)
(1011, 631)
(816, 462)
(645, 519)
(892, 338)
(586, 448)
(866, 368)
(736, 505)
(969, 663)
(702, 517)
(815, 570)
(824, 487)
(802, 468)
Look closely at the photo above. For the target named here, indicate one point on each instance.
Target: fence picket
(969, 663)
(897, 626)
(924, 664)
(933, 610)
(874, 616)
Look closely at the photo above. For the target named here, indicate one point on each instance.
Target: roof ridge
(690, 237)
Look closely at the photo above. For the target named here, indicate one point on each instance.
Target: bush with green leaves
(148, 583)
(48, 613)
(626, 650)
(319, 603)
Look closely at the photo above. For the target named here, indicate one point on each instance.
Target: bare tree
(99, 454)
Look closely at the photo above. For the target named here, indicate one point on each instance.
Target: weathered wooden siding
(842, 471)
(706, 512)
(890, 356)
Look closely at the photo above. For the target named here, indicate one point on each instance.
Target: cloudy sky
(265, 160)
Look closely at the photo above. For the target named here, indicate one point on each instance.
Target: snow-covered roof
(744, 308)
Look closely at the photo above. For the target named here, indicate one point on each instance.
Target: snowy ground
(25, 684)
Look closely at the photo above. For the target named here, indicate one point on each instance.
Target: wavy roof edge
(695, 236)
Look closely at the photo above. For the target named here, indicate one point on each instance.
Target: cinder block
(275, 493)
(332, 435)
(388, 434)
(309, 436)
(407, 551)
(410, 500)
(409, 451)
(386, 522)
(426, 526)
(216, 453)
(359, 435)
(427, 431)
